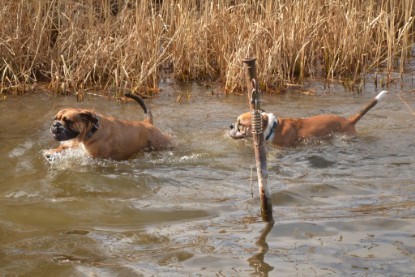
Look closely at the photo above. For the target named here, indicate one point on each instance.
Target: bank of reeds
(125, 44)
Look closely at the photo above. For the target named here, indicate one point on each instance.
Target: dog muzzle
(60, 133)
(236, 133)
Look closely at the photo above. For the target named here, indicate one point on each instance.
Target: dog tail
(147, 111)
(355, 118)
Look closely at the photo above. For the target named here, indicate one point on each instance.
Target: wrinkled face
(72, 123)
(243, 126)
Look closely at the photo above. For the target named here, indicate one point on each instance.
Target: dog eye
(67, 121)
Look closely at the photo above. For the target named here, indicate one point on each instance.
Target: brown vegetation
(124, 44)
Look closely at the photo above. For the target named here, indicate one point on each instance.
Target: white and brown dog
(291, 131)
(107, 137)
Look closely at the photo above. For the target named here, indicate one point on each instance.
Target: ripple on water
(21, 149)
(342, 206)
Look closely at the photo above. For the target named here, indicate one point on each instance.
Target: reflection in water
(257, 261)
(344, 207)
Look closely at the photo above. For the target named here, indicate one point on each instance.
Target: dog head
(243, 126)
(74, 123)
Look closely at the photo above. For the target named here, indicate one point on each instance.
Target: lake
(344, 207)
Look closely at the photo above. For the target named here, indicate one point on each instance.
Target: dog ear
(89, 116)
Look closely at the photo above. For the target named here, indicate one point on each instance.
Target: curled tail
(147, 111)
(355, 118)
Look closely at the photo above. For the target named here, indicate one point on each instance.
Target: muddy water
(343, 207)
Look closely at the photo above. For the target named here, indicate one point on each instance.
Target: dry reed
(72, 46)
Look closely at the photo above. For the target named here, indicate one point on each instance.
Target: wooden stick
(258, 137)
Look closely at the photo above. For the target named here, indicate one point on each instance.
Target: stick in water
(259, 145)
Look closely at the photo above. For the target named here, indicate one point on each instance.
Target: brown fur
(108, 137)
(291, 131)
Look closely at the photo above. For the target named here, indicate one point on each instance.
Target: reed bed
(74, 46)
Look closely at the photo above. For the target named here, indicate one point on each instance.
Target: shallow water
(342, 207)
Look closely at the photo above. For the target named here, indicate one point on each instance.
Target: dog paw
(49, 155)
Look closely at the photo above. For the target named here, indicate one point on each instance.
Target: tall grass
(72, 46)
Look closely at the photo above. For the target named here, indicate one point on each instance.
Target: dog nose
(231, 126)
(56, 127)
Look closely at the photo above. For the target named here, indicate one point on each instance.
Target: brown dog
(291, 131)
(107, 137)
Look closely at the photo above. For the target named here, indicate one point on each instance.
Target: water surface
(341, 207)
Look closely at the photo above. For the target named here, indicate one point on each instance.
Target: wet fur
(291, 131)
(108, 137)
